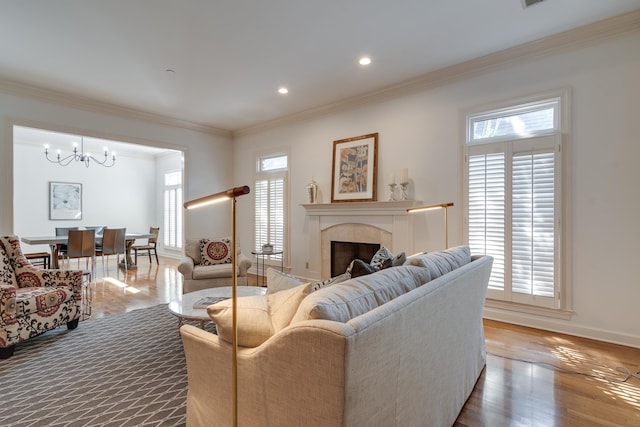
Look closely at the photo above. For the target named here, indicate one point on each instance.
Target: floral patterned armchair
(33, 301)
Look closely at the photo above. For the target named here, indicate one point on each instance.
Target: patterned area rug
(123, 370)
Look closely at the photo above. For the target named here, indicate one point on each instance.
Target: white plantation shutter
(270, 205)
(533, 227)
(512, 203)
(172, 233)
(486, 203)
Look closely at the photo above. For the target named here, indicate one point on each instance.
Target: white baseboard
(563, 327)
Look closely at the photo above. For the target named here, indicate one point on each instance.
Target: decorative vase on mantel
(312, 192)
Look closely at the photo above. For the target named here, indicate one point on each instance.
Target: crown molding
(13, 87)
(581, 37)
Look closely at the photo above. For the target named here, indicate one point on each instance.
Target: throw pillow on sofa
(279, 281)
(359, 268)
(331, 281)
(259, 316)
(215, 251)
(382, 258)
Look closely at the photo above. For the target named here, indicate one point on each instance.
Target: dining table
(54, 243)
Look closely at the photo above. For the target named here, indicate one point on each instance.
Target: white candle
(392, 178)
(404, 175)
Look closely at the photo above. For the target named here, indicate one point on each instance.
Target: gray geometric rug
(122, 370)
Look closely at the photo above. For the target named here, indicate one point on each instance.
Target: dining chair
(99, 229)
(149, 246)
(62, 248)
(113, 243)
(82, 244)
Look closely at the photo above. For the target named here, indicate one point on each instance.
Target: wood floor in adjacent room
(532, 377)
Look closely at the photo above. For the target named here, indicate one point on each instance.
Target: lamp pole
(231, 194)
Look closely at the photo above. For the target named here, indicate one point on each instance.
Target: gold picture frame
(355, 169)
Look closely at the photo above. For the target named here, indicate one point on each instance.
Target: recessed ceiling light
(283, 91)
(365, 60)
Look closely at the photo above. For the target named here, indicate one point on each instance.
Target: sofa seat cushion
(441, 263)
(212, 271)
(344, 301)
(40, 299)
(259, 316)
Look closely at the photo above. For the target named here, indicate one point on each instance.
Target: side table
(261, 255)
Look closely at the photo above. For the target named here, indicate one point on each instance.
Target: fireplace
(380, 223)
(342, 253)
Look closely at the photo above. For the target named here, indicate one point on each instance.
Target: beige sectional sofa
(405, 348)
(197, 276)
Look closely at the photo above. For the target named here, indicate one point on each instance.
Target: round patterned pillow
(215, 251)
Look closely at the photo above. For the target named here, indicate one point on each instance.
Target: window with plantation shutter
(271, 204)
(172, 210)
(513, 203)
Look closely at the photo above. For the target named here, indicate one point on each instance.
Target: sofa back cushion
(441, 263)
(343, 301)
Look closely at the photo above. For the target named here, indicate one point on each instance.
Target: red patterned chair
(33, 301)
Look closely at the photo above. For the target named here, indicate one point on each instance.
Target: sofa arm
(186, 267)
(244, 264)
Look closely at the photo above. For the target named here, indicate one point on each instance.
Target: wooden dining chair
(113, 243)
(149, 246)
(62, 248)
(82, 244)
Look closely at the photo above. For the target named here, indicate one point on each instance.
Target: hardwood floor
(532, 377)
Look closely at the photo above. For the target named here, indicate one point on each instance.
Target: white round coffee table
(183, 306)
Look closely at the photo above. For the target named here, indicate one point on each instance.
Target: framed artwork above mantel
(355, 169)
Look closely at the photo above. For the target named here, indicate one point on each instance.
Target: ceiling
(229, 57)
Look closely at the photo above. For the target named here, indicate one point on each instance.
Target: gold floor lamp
(444, 206)
(230, 194)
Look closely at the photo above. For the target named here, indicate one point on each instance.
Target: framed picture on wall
(65, 200)
(355, 166)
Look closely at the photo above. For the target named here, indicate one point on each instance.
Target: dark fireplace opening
(342, 253)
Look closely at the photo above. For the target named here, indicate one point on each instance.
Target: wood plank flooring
(532, 377)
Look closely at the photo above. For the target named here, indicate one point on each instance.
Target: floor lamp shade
(230, 194)
(444, 206)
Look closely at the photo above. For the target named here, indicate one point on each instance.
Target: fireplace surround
(383, 223)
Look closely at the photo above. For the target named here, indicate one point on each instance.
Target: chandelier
(81, 156)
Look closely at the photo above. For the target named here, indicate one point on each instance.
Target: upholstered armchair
(33, 301)
(207, 264)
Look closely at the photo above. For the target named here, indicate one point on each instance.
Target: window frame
(270, 174)
(511, 145)
(178, 214)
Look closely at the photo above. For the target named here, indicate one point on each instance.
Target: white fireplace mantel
(390, 219)
(360, 208)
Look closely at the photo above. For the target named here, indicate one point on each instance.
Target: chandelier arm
(105, 161)
(81, 156)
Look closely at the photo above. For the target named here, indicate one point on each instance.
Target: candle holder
(392, 192)
(403, 188)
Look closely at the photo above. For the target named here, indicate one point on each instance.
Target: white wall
(424, 132)
(122, 196)
(208, 154)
